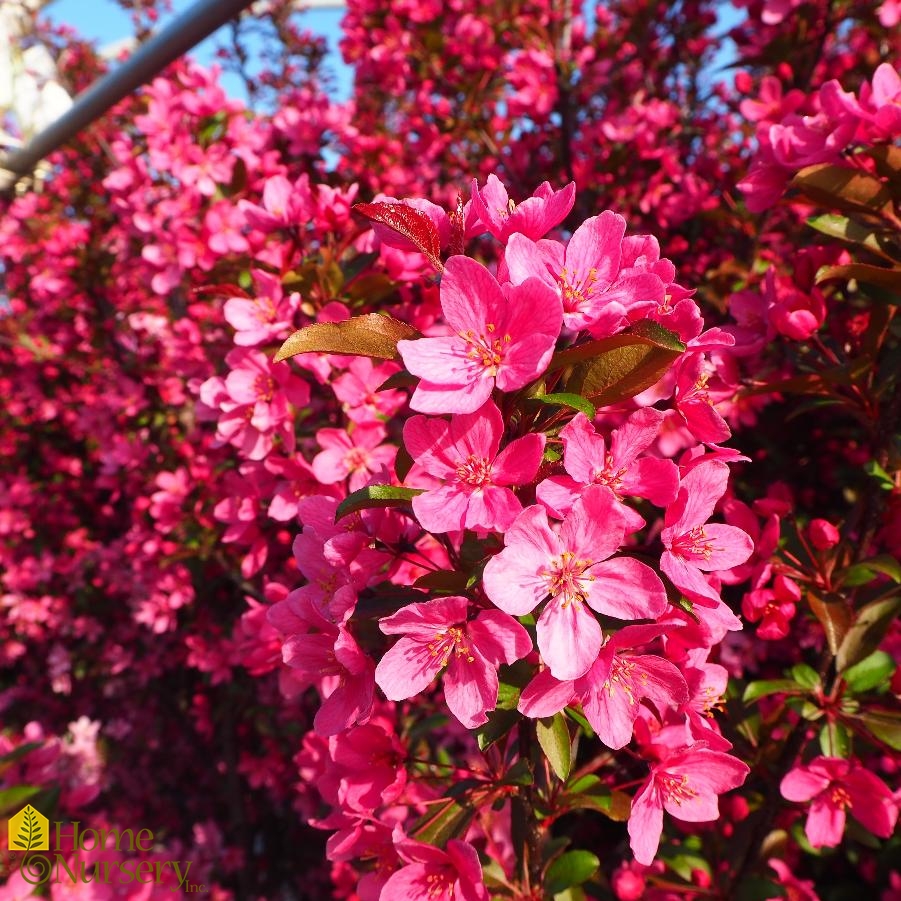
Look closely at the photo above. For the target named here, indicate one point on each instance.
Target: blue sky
(105, 22)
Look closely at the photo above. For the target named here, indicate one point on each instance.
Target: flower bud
(823, 535)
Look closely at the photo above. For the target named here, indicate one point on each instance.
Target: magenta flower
(437, 634)
(505, 336)
(596, 293)
(463, 453)
(612, 690)
(693, 401)
(537, 563)
(686, 784)
(834, 785)
(454, 874)
(534, 217)
(692, 544)
(622, 469)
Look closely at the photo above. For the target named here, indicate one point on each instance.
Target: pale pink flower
(437, 634)
(571, 569)
(463, 453)
(834, 785)
(266, 317)
(693, 545)
(685, 783)
(612, 690)
(505, 336)
(358, 391)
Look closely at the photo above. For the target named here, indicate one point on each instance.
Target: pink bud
(628, 885)
(823, 535)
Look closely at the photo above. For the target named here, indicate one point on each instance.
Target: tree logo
(28, 830)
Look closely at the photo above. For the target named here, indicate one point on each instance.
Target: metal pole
(190, 28)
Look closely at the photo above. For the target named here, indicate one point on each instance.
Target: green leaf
(852, 232)
(569, 869)
(624, 365)
(869, 672)
(443, 821)
(806, 676)
(12, 799)
(613, 804)
(553, 736)
(835, 740)
(765, 687)
(499, 724)
(564, 399)
(373, 496)
(867, 570)
(884, 726)
(867, 630)
(518, 774)
(372, 335)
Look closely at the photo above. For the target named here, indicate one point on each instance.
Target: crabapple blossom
(504, 337)
(463, 454)
(571, 569)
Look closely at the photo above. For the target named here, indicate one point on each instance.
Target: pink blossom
(693, 545)
(436, 634)
(621, 468)
(685, 783)
(612, 690)
(534, 217)
(834, 785)
(571, 569)
(357, 389)
(596, 290)
(823, 535)
(358, 454)
(505, 336)
(454, 874)
(463, 453)
(266, 317)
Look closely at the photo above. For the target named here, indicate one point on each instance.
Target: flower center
(356, 459)
(575, 291)
(694, 543)
(264, 386)
(612, 478)
(565, 577)
(440, 884)
(475, 471)
(676, 787)
(621, 679)
(450, 642)
(839, 797)
(486, 349)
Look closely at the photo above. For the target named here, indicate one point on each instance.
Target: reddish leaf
(844, 188)
(372, 335)
(413, 224)
(870, 275)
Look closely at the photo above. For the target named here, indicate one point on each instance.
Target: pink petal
(597, 245)
(627, 589)
(646, 823)
(657, 480)
(731, 547)
(499, 637)
(492, 509)
(545, 695)
(825, 823)
(442, 509)
(635, 435)
(525, 360)
(518, 462)
(469, 295)
(699, 491)
(594, 528)
(584, 451)
(558, 494)
(423, 620)
(688, 579)
(407, 669)
(478, 433)
(569, 639)
(527, 259)
(470, 688)
(465, 397)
